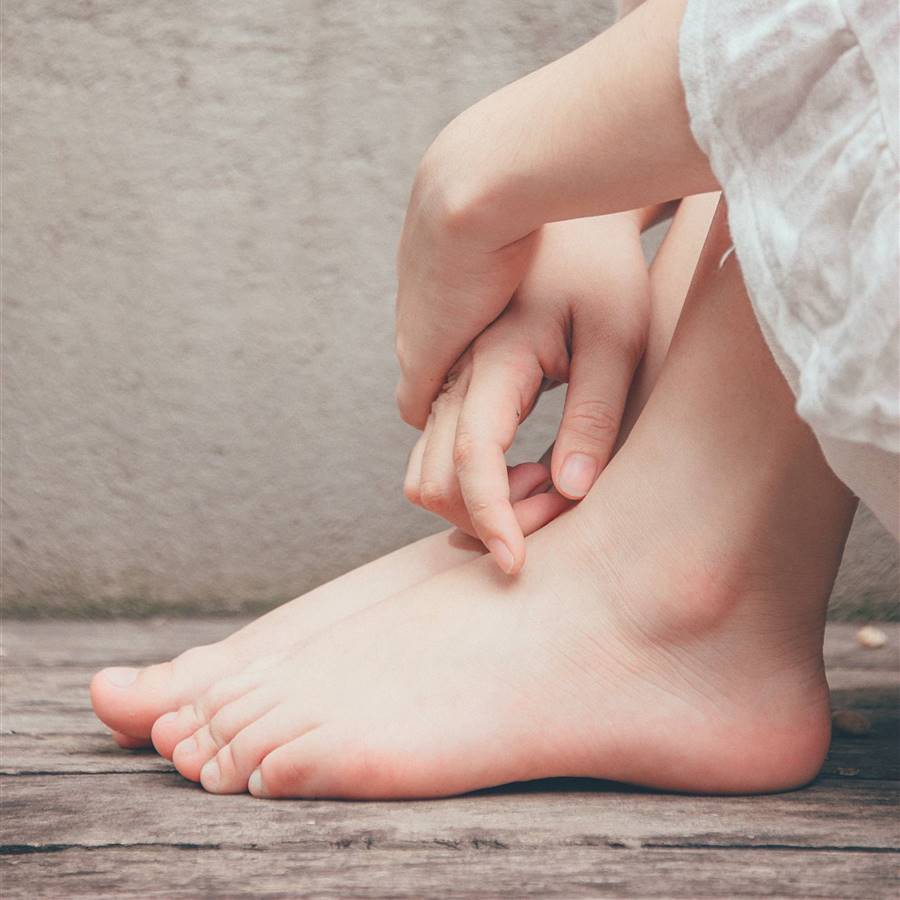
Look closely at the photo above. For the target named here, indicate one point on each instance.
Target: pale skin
(601, 130)
(690, 664)
(131, 723)
(130, 701)
(667, 630)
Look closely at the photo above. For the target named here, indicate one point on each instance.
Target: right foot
(666, 632)
(130, 700)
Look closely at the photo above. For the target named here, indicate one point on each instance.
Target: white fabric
(795, 102)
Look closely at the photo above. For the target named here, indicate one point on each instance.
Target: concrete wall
(201, 203)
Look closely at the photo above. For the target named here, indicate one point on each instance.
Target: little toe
(302, 767)
(230, 770)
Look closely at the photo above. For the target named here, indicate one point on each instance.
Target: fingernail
(502, 554)
(577, 475)
(209, 775)
(255, 784)
(121, 676)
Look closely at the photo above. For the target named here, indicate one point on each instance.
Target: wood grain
(81, 818)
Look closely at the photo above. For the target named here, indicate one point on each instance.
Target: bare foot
(130, 700)
(666, 632)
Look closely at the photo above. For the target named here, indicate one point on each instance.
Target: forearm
(604, 129)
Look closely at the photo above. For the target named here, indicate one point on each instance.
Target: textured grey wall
(201, 203)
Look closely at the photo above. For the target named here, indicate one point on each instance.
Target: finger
(526, 479)
(504, 383)
(534, 512)
(414, 469)
(601, 371)
(443, 304)
(439, 487)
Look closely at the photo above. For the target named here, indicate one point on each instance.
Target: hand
(580, 316)
(601, 130)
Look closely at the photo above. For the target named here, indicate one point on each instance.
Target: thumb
(600, 375)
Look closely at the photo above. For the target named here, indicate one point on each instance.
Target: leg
(667, 631)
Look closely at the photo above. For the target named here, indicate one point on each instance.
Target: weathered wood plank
(74, 754)
(843, 651)
(77, 812)
(98, 810)
(449, 871)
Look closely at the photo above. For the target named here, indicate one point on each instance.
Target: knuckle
(434, 495)
(453, 383)
(478, 507)
(401, 351)
(410, 413)
(593, 420)
(463, 450)
(412, 493)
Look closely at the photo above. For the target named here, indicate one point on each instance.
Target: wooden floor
(81, 818)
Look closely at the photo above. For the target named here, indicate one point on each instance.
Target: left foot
(666, 632)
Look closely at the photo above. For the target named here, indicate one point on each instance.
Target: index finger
(500, 394)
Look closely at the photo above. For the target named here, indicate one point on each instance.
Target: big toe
(130, 700)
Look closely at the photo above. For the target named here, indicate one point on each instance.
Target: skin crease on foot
(129, 700)
(666, 632)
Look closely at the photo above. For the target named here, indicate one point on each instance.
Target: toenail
(209, 774)
(121, 676)
(255, 784)
(188, 745)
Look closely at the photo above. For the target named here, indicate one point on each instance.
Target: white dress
(795, 102)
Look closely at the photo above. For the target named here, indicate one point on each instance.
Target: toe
(298, 768)
(130, 700)
(127, 742)
(191, 754)
(171, 729)
(174, 727)
(337, 763)
(230, 770)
